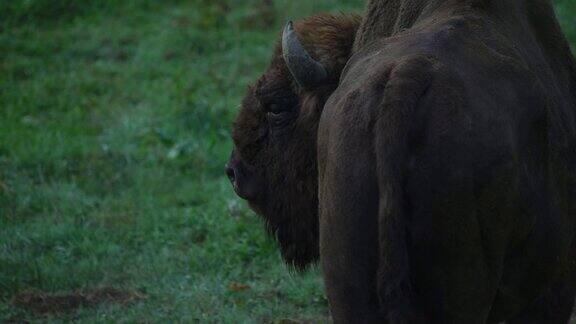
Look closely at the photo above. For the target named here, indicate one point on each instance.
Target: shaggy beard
(299, 248)
(296, 231)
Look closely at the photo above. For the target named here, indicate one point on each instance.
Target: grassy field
(114, 130)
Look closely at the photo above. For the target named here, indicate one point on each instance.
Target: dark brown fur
(447, 167)
(446, 163)
(279, 151)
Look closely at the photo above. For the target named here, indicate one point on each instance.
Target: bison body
(426, 155)
(446, 167)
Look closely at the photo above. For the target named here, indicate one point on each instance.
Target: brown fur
(280, 152)
(447, 167)
(446, 163)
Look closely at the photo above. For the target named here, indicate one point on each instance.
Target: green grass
(114, 130)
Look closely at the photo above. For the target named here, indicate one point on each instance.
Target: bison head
(273, 164)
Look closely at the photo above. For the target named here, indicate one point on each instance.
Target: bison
(442, 166)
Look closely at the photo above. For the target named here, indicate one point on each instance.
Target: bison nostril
(231, 173)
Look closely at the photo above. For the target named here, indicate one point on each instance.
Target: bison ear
(306, 71)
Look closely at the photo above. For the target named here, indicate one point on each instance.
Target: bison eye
(279, 120)
(279, 105)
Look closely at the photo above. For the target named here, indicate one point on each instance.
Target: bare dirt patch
(43, 303)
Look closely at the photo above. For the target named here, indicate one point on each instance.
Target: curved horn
(306, 71)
